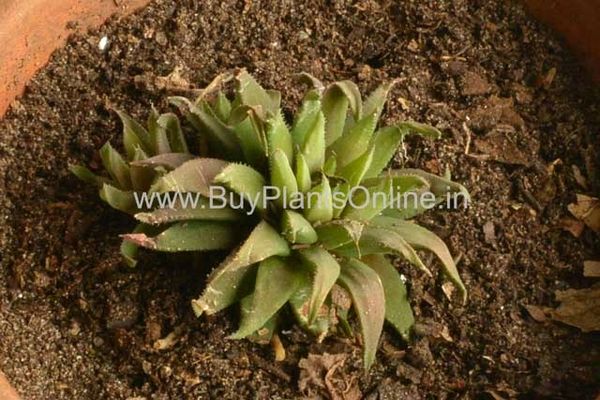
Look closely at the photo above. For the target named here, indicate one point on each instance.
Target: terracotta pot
(577, 21)
(6, 391)
(32, 29)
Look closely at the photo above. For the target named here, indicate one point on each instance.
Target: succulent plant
(149, 154)
(319, 260)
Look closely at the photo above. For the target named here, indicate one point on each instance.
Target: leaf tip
(140, 239)
(199, 307)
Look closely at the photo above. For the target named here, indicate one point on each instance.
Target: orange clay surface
(578, 21)
(6, 391)
(30, 30)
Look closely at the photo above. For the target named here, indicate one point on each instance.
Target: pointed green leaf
(170, 123)
(158, 135)
(134, 135)
(189, 236)
(86, 175)
(275, 96)
(340, 198)
(382, 241)
(324, 271)
(249, 130)
(139, 155)
(222, 107)
(352, 93)
(264, 334)
(368, 299)
(350, 146)
(306, 78)
(330, 166)
(367, 201)
(252, 94)
(385, 142)
(169, 161)
(424, 130)
(340, 232)
(266, 301)
(279, 136)
(252, 148)
(307, 117)
(141, 176)
(221, 137)
(245, 181)
(319, 202)
(197, 208)
(129, 251)
(308, 131)
(397, 308)
(242, 111)
(282, 177)
(447, 174)
(197, 175)
(441, 189)
(297, 229)
(376, 100)
(355, 170)
(118, 199)
(424, 239)
(300, 305)
(115, 165)
(313, 147)
(377, 194)
(438, 185)
(335, 110)
(225, 282)
(302, 174)
(152, 123)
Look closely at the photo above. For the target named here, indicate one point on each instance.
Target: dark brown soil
(76, 324)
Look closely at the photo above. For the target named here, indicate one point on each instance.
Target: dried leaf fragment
(574, 226)
(579, 308)
(318, 377)
(587, 209)
(591, 269)
(170, 340)
(536, 312)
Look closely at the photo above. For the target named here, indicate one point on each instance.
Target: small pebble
(161, 38)
(103, 44)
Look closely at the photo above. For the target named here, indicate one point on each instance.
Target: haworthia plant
(321, 259)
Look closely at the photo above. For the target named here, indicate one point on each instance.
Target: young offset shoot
(321, 261)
